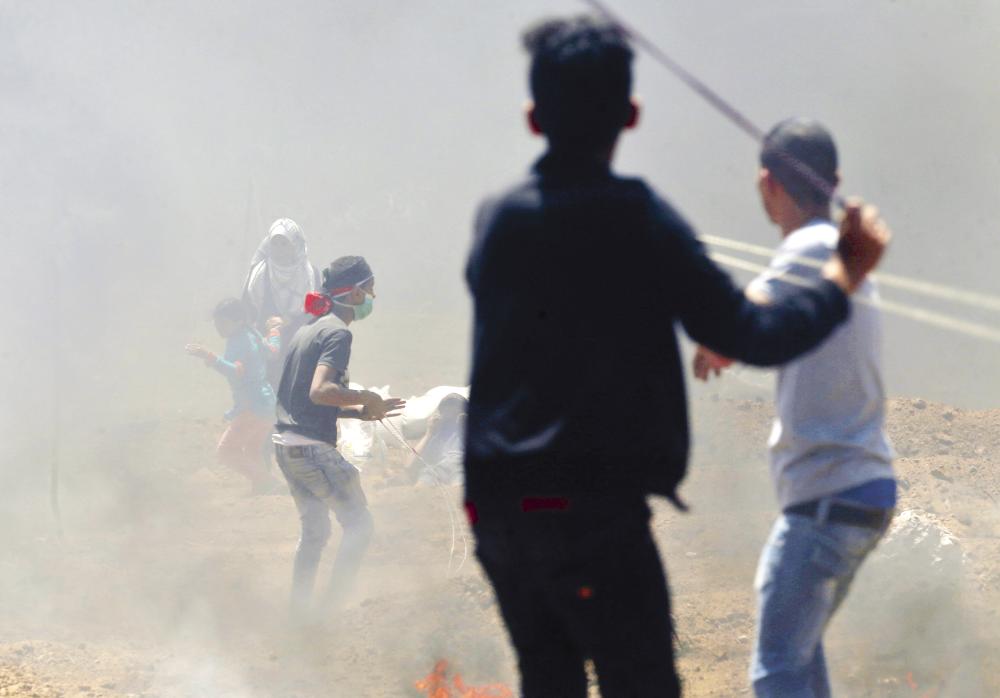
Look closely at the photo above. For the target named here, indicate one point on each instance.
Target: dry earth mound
(171, 581)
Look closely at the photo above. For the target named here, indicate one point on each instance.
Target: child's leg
(239, 447)
(229, 450)
(258, 454)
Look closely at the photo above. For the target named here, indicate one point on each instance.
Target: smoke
(146, 149)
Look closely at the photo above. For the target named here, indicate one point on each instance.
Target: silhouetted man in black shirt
(578, 277)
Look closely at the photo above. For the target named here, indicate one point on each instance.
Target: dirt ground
(171, 580)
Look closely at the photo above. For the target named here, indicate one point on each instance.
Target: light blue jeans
(803, 576)
(321, 480)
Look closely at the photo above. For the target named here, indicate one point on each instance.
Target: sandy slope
(171, 581)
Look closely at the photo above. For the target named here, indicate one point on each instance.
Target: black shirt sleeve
(716, 313)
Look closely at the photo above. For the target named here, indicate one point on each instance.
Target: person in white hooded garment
(279, 279)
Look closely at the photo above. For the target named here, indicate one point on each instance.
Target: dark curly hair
(231, 309)
(581, 80)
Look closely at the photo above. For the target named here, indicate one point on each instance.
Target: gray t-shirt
(325, 341)
(828, 434)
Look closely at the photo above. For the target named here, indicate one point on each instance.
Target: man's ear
(768, 185)
(531, 117)
(766, 181)
(635, 108)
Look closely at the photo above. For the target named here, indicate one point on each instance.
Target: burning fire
(933, 693)
(436, 685)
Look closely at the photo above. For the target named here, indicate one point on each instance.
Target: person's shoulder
(320, 330)
(240, 340)
(663, 214)
(506, 212)
(814, 239)
(522, 196)
(258, 272)
(332, 326)
(665, 208)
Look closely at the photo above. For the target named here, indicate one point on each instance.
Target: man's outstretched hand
(706, 362)
(377, 407)
(863, 239)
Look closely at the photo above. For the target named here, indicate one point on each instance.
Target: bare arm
(325, 390)
(415, 461)
(411, 471)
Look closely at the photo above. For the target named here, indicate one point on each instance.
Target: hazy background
(147, 146)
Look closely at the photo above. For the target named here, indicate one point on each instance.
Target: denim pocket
(840, 548)
(829, 558)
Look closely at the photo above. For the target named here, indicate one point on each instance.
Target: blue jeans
(803, 576)
(320, 480)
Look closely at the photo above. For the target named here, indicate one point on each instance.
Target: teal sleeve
(230, 369)
(239, 353)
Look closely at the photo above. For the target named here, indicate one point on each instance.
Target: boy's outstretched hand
(200, 352)
(863, 240)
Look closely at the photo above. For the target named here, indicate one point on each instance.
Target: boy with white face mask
(313, 394)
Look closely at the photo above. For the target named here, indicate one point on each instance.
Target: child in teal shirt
(244, 364)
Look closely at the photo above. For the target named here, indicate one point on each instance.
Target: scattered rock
(936, 472)
(944, 439)
(920, 404)
(921, 538)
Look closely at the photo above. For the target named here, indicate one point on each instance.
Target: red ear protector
(318, 304)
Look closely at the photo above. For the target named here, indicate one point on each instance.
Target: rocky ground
(171, 581)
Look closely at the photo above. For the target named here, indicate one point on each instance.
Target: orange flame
(436, 685)
(932, 693)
